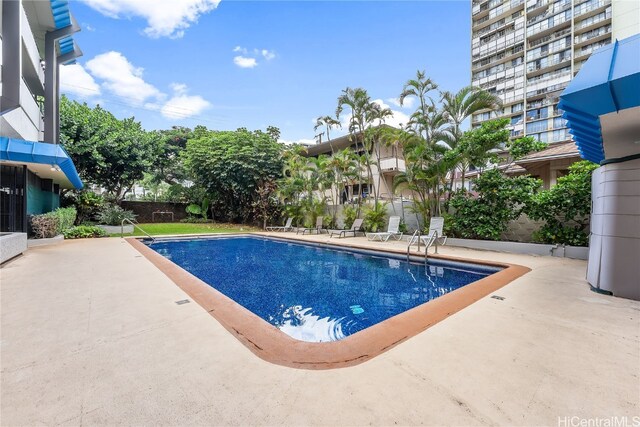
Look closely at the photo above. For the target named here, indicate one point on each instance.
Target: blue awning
(608, 82)
(19, 150)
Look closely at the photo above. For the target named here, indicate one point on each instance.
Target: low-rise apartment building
(35, 40)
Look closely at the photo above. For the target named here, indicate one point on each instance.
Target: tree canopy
(231, 166)
(107, 152)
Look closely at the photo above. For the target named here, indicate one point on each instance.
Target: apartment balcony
(534, 70)
(592, 36)
(545, 91)
(592, 22)
(392, 165)
(533, 7)
(550, 38)
(549, 25)
(24, 120)
(552, 10)
(32, 71)
(590, 8)
(582, 54)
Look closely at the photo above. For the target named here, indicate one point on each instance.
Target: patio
(91, 334)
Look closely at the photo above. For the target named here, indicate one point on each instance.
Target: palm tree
(364, 114)
(419, 88)
(329, 123)
(458, 107)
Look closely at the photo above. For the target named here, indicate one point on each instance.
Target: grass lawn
(160, 228)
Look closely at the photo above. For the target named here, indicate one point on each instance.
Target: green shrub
(350, 214)
(375, 217)
(52, 223)
(403, 226)
(88, 205)
(66, 218)
(111, 214)
(500, 199)
(44, 226)
(201, 210)
(84, 232)
(565, 208)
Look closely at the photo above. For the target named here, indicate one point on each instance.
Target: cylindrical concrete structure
(614, 247)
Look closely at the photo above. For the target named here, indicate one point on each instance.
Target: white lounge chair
(393, 230)
(286, 227)
(356, 227)
(435, 233)
(318, 228)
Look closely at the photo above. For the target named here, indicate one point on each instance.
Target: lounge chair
(286, 227)
(356, 227)
(435, 233)
(318, 228)
(392, 231)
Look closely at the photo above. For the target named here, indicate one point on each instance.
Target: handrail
(135, 226)
(417, 232)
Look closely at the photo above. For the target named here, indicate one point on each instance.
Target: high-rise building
(527, 51)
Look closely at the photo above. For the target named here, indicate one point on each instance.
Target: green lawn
(160, 228)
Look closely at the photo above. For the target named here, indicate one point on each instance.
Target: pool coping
(273, 345)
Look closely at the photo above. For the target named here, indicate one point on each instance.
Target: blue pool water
(314, 293)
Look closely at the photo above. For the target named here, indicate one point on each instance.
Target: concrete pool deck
(91, 334)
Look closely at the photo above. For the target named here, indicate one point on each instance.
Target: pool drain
(183, 301)
(497, 297)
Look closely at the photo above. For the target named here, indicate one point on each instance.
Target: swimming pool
(306, 290)
(313, 293)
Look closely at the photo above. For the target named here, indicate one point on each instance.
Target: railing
(593, 20)
(415, 234)
(550, 37)
(550, 23)
(532, 66)
(589, 6)
(592, 34)
(135, 226)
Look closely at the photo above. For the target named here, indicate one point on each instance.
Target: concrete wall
(144, 210)
(393, 209)
(12, 245)
(614, 252)
(625, 18)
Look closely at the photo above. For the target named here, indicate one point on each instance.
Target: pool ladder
(418, 234)
(135, 226)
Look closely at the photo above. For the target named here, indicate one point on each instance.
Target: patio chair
(356, 227)
(393, 230)
(286, 227)
(435, 233)
(318, 228)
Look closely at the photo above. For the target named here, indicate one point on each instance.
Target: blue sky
(253, 64)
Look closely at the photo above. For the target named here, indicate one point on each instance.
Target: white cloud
(122, 78)
(398, 119)
(268, 54)
(75, 80)
(165, 18)
(88, 27)
(407, 102)
(245, 62)
(181, 105)
(249, 58)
